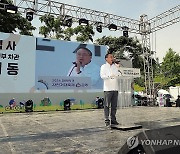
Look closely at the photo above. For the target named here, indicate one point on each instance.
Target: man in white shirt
(83, 67)
(108, 73)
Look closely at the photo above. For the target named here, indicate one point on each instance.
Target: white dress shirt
(106, 73)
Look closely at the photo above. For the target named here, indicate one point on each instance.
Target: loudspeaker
(157, 141)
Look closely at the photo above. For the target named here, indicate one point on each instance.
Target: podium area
(125, 97)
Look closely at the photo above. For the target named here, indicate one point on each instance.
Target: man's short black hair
(107, 55)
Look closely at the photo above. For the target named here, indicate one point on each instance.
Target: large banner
(68, 65)
(29, 64)
(17, 63)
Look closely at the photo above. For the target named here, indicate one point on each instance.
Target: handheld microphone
(75, 64)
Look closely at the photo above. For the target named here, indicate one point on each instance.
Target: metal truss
(165, 19)
(144, 27)
(147, 27)
(145, 32)
(2, 6)
(60, 9)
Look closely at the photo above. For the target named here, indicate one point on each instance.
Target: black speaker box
(157, 141)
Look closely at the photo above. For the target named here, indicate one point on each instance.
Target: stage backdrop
(17, 63)
(32, 68)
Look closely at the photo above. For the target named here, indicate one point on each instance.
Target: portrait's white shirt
(106, 71)
(90, 70)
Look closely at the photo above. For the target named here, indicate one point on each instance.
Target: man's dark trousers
(110, 100)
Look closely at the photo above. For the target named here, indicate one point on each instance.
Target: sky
(166, 38)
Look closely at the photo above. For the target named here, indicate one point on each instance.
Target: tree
(84, 33)
(52, 27)
(10, 23)
(55, 28)
(170, 68)
(123, 46)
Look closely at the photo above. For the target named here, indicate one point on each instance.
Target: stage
(77, 131)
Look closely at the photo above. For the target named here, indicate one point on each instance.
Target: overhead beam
(60, 9)
(165, 19)
(57, 9)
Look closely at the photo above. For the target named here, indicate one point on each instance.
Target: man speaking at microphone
(84, 67)
(109, 73)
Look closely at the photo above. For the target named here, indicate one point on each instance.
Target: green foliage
(55, 28)
(52, 28)
(115, 44)
(169, 70)
(140, 81)
(10, 23)
(171, 64)
(69, 32)
(120, 46)
(138, 88)
(84, 33)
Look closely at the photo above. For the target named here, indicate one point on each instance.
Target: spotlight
(29, 106)
(112, 27)
(100, 102)
(68, 21)
(83, 22)
(67, 104)
(125, 31)
(29, 14)
(11, 8)
(99, 27)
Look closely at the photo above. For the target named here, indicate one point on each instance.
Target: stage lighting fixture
(29, 106)
(68, 21)
(11, 8)
(99, 27)
(83, 22)
(29, 14)
(112, 27)
(67, 104)
(100, 103)
(125, 31)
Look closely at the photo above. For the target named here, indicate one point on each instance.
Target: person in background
(178, 101)
(168, 102)
(109, 72)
